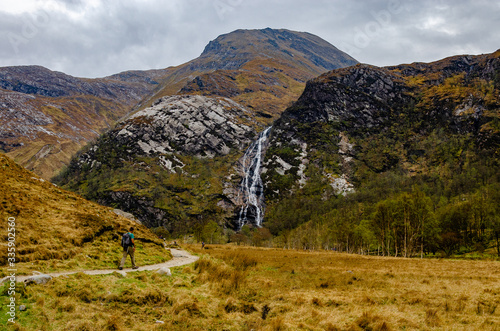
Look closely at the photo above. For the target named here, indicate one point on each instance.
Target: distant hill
(125, 88)
(46, 116)
(264, 70)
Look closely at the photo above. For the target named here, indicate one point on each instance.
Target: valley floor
(248, 288)
(336, 291)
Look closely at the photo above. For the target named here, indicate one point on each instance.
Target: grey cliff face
(193, 125)
(361, 96)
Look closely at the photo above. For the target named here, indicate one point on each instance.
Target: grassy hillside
(58, 230)
(267, 86)
(235, 288)
(45, 132)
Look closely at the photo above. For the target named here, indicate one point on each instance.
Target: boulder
(164, 271)
(37, 279)
(126, 215)
(8, 279)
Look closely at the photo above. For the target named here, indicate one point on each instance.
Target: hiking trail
(179, 258)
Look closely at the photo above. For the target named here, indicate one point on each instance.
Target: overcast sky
(96, 38)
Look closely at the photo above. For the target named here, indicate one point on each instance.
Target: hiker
(202, 244)
(128, 248)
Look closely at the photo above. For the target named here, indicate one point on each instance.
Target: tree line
(396, 215)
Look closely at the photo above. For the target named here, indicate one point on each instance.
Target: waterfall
(251, 187)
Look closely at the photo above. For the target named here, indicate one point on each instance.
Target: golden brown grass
(46, 154)
(244, 288)
(329, 291)
(56, 229)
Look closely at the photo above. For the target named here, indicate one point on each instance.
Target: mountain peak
(240, 46)
(264, 70)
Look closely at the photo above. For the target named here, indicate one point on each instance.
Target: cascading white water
(251, 187)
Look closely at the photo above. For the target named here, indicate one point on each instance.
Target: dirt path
(180, 258)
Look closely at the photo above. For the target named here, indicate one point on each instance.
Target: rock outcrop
(361, 96)
(37, 279)
(193, 125)
(164, 271)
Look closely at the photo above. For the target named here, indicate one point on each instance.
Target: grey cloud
(133, 34)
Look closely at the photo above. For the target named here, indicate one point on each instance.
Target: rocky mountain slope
(264, 70)
(426, 132)
(193, 125)
(341, 111)
(55, 228)
(166, 164)
(46, 116)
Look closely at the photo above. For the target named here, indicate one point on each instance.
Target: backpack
(126, 241)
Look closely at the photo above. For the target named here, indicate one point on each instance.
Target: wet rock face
(251, 190)
(193, 125)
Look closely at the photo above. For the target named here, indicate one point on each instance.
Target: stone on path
(37, 279)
